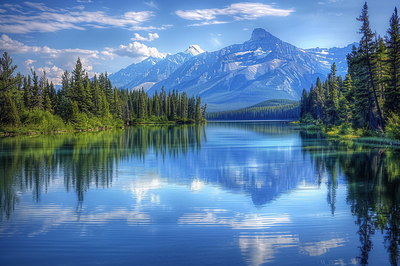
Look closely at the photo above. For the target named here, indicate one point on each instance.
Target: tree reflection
(373, 189)
(83, 160)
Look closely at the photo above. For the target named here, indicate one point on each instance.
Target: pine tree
(198, 110)
(392, 93)
(367, 49)
(27, 92)
(9, 112)
(36, 92)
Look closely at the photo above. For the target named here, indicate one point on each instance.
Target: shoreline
(350, 136)
(26, 131)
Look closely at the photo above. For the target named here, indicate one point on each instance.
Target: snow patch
(194, 50)
(146, 86)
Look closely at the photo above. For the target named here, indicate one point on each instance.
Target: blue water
(249, 193)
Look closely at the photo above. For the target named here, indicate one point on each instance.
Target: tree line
(84, 103)
(369, 96)
(271, 109)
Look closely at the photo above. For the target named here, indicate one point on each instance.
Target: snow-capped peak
(194, 50)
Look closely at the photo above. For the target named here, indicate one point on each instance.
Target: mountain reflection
(373, 180)
(83, 160)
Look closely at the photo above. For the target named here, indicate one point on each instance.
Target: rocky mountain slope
(152, 70)
(239, 75)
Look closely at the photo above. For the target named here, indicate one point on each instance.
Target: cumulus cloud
(29, 62)
(152, 37)
(52, 73)
(46, 19)
(64, 57)
(238, 11)
(13, 46)
(136, 50)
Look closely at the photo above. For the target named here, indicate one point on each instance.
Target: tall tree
(392, 94)
(366, 44)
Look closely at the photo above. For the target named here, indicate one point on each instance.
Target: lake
(227, 193)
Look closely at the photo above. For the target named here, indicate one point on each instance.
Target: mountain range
(238, 75)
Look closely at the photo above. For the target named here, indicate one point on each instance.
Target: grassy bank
(42, 123)
(345, 134)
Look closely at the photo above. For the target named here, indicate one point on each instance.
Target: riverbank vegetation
(31, 104)
(367, 102)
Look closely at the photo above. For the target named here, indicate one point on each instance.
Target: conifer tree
(392, 93)
(27, 92)
(36, 92)
(366, 44)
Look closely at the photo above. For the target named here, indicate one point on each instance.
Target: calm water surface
(249, 193)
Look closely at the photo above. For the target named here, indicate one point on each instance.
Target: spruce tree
(366, 44)
(392, 93)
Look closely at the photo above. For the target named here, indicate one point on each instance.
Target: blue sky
(110, 35)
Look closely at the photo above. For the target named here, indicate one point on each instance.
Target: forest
(270, 109)
(31, 103)
(368, 99)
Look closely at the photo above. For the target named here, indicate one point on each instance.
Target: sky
(108, 35)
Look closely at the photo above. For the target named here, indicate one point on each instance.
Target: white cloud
(45, 19)
(239, 11)
(204, 23)
(13, 46)
(136, 50)
(152, 37)
(84, 1)
(151, 4)
(39, 6)
(29, 62)
(64, 57)
(52, 73)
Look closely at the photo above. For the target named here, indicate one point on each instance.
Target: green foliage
(271, 109)
(84, 104)
(314, 127)
(42, 121)
(393, 126)
(372, 82)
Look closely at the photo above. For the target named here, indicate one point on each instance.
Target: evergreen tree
(392, 93)
(27, 92)
(367, 49)
(198, 109)
(9, 112)
(36, 92)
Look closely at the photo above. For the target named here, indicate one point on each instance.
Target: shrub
(42, 121)
(393, 126)
(345, 129)
(314, 128)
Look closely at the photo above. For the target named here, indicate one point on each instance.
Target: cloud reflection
(260, 249)
(40, 220)
(319, 248)
(238, 221)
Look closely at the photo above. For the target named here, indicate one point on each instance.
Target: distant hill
(275, 102)
(270, 109)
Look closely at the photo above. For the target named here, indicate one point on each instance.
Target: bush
(42, 121)
(393, 126)
(345, 129)
(314, 128)
(307, 119)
